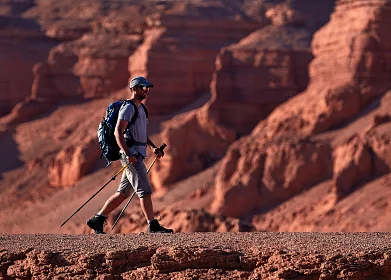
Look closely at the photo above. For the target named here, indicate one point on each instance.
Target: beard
(141, 96)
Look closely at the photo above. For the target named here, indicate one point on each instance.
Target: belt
(138, 155)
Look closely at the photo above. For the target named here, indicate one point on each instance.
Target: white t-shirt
(138, 130)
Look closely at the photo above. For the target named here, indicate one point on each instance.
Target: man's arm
(150, 144)
(119, 136)
(155, 149)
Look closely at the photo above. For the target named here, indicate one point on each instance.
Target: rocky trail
(202, 255)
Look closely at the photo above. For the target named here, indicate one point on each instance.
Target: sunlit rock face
(251, 78)
(72, 163)
(93, 66)
(259, 73)
(350, 69)
(267, 67)
(95, 39)
(181, 45)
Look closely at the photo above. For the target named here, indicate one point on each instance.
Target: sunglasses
(142, 87)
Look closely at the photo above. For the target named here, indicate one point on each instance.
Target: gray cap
(140, 81)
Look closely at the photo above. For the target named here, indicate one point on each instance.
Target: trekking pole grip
(161, 148)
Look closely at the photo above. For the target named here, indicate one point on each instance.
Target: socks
(100, 214)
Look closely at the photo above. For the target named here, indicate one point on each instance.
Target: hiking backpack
(107, 142)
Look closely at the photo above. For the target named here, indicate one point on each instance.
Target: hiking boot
(96, 223)
(155, 227)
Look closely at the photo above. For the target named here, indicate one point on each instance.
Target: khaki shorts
(134, 178)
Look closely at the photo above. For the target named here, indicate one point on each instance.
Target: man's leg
(138, 178)
(112, 203)
(98, 220)
(146, 206)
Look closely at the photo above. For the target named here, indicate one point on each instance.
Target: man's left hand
(159, 153)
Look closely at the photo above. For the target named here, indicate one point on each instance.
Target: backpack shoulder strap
(135, 115)
(145, 109)
(136, 112)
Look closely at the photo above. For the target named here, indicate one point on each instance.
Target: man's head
(139, 87)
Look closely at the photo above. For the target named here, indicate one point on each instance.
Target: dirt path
(197, 256)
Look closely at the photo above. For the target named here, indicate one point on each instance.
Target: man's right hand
(158, 152)
(132, 159)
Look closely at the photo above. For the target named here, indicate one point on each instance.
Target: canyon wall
(22, 45)
(274, 112)
(251, 78)
(345, 76)
(179, 51)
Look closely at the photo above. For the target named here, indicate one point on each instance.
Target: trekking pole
(113, 178)
(127, 203)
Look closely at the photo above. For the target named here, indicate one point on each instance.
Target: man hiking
(132, 140)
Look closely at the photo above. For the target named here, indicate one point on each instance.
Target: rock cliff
(22, 45)
(180, 48)
(251, 78)
(345, 77)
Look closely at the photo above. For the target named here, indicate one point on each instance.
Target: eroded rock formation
(354, 75)
(72, 163)
(251, 78)
(92, 66)
(22, 44)
(318, 162)
(180, 48)
(256, 75)
(190, 148)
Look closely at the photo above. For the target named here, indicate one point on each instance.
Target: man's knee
(143, 194)
(122, 194)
